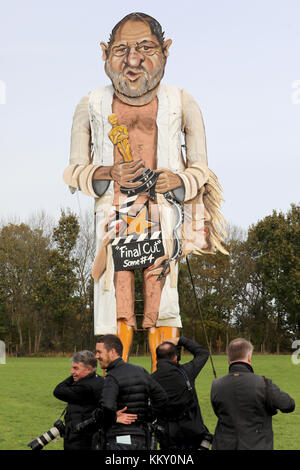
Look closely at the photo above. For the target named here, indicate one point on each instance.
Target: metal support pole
(199, 311)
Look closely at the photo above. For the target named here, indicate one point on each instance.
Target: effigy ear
(166, 46)
(104, 47)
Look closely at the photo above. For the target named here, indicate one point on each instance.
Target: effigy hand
(99, 263)
(124, 172)
(167, 181)
(158, 267)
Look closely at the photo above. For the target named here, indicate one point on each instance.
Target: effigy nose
(134, 57)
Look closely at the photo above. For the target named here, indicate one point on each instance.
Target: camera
(206, 441)
(57, 430)
(178, 353)
(157, 434)
(91, 422)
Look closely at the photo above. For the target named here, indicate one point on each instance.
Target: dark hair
(238, 349)
(155, 26)
(111, 342)
(166, 350)
(87, 358)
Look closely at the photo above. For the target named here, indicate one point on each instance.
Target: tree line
(46, 289)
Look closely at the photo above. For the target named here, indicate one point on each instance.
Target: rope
(199, 311)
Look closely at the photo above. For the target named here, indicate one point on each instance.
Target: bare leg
(126, 323)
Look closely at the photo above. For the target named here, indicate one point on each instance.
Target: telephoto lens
(40, 442)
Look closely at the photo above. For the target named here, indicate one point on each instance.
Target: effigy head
(135, 56)
(204, 229)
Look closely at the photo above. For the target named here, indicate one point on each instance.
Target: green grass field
(28, 407)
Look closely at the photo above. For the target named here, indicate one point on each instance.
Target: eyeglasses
(145, 48)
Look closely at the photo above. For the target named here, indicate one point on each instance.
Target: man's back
(130, 386)
(244, 404)
(182, 416)
(168, 373)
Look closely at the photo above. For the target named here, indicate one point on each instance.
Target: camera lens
(44, 439)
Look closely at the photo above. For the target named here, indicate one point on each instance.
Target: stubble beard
(147, 81)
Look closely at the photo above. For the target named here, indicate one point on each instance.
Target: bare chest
(142, 118)
(142, 129)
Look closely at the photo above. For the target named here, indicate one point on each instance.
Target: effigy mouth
(133, 75)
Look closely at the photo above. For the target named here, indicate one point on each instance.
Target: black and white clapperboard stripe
(124, 209)
(135, 251)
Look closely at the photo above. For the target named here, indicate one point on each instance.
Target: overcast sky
(238, 58)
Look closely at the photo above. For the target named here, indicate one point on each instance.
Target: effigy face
(135, 58)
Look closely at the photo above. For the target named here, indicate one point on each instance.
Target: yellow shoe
(125, 333)
(158, 335)
(168, 332)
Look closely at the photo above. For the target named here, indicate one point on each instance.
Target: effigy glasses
(147, 48)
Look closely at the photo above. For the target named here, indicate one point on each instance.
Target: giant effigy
(138, 147)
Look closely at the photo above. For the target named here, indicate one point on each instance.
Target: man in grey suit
(245, 403)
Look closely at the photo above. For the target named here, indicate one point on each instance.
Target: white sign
(296, 354)
(2, 353)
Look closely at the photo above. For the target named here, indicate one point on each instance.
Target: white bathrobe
(178, 118)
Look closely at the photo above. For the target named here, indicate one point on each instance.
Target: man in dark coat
(245, 403)
(82, 391)
(183, 423)
(126, 386)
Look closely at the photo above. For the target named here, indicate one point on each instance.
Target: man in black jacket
(183, 423)
(245, 403)
(82, 391)
(129, 386)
